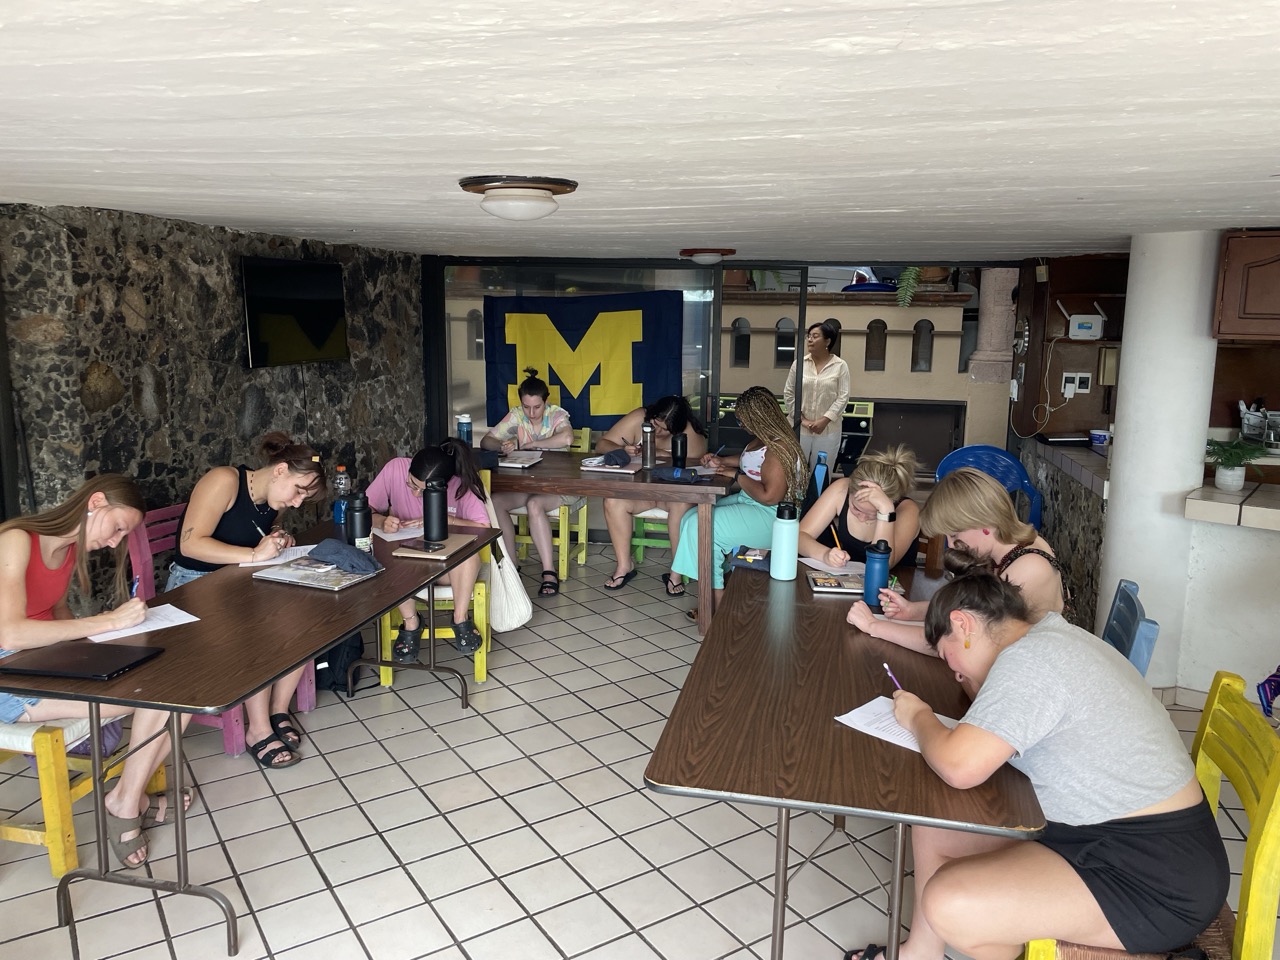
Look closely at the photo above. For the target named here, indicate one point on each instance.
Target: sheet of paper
(404, 533)
(876, 719)
(905, 623)
(285, 555)
(165, 615)
(705, 471)
(856, 567)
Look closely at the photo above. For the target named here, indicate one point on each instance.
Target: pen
(133, 588)
(891, 676)
(258, 528)
(721, 450)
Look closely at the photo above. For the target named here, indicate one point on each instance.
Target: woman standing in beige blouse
(826, 392)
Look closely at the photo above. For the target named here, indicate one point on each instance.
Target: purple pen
(891, 676)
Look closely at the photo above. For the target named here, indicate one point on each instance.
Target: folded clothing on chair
(345, 557)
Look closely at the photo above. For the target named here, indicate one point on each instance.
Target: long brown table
(755, 723)
(250, 633)
(561, 472)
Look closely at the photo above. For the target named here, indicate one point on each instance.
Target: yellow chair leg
(386, 675)
(565, 545)
(55, 799)
(480, 612)
(1041, 950)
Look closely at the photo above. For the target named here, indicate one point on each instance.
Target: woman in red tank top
(38, 556)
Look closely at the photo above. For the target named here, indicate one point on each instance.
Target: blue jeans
(179, 575)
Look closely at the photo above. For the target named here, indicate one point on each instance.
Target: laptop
(79, 659)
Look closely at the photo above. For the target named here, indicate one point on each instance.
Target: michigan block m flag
(601, 356)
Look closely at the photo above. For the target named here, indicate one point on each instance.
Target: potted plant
(1230, 457)
(910, 279)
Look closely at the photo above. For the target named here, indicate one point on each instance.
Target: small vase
(1229, 479)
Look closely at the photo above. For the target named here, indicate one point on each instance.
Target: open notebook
(520, 458)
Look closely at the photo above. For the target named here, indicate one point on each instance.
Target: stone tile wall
(128, 354)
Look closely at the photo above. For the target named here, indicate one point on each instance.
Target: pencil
(836, 535)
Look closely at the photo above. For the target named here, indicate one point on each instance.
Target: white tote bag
(509, 605)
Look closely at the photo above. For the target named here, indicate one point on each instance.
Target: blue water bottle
(876, 577)
(820, 473)
(785, 547)
(464, 428)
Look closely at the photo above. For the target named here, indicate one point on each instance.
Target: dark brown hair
(278, 447)
(531, 386)
(985, 595)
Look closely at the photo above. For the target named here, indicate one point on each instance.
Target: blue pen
(133, 588)
(891, 676)
(721, 450)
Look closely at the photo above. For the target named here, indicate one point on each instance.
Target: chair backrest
(581, 440)
(157, 532)
(1129, 629)
(1002, 465)
(1234, 740)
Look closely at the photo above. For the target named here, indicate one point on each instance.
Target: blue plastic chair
(997, 463)
(1129, 629)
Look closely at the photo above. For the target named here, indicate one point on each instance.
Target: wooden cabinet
(1248, 304)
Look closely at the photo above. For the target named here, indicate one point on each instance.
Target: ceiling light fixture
(518, 198)
(707, 256)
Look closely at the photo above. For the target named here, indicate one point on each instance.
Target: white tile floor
(518, 829)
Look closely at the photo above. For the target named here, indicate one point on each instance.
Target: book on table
(595, 463)
(520, 458)
(751, 558)
(433, 549)
(850, 583)
(305, 572)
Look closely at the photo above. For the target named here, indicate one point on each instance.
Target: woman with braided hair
(770, 470)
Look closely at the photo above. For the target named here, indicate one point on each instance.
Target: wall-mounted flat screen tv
(293, 311)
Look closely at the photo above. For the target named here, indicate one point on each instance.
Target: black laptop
(78, 659)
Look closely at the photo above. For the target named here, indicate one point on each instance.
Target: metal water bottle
(876, 577)
(785, 548)
(464, 428)
(679, 449)
(341, 496)
(648, 453)
(820, 471)
(360, 523)
(435, 512)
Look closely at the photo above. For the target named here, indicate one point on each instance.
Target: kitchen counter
(1087, 465)
(1257, 505)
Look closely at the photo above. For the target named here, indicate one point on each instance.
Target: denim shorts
(12, 708)
(178, 575)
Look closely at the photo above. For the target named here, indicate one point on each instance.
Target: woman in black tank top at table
(977, 516)
(870, 504)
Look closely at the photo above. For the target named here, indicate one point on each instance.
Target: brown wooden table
(250, 633)
(561, 472)
(755, 723)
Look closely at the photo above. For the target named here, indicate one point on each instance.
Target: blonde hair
(759, 413)
(968, 499)
(70, 515)
(893, 469)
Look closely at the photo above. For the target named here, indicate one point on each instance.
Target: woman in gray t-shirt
(1131, 857)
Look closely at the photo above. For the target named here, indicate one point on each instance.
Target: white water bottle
(785, 549)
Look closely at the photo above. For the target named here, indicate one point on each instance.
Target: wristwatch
(889, 517)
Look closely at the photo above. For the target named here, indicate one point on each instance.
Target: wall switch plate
(1013, 390)
(1042, 273)
(1068, 380)
(1083, 382)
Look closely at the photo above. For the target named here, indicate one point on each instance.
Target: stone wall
(1073, 521)
(128, 352)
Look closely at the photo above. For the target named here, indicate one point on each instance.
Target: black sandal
(268, 759)
(673, 589)
(869, 952)
(285, 731)
(549, 588)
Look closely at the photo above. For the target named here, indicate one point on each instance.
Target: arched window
(922, 347)
(784, 343)
(835, 347)
(740, 343)
(475, 335)
(877, 333)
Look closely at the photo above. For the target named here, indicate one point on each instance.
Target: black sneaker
(466, 638)
(407, 645)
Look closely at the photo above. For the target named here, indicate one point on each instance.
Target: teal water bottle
(876, 577)
(785, 548)
(820, 472)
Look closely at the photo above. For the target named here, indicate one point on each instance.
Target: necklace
(264, 508)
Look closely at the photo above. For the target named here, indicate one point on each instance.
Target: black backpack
(331, 666)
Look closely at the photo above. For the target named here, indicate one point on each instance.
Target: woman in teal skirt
(771, 468)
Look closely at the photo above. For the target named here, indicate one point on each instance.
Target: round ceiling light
(518, 198)
(707, 256)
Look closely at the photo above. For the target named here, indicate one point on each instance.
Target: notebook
(850, 583)
(305, 572)
(79, 660)
(520, 458)
(435, 550)
(593, 463)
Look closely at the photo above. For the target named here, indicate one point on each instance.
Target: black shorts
(1159, 879)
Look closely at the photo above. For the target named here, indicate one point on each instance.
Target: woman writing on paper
(38, 557)
(534, 425)
(826, 394)
(770, 470)
(1131, 858)
(395, 497)
(976, 515)
(870, 504)
(230, 518)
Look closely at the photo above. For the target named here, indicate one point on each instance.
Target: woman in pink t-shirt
(395, 497)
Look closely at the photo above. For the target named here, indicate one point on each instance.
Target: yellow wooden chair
(389, 623)
(649, 530)
(47, 742)
(1234, 740)
(569, 536)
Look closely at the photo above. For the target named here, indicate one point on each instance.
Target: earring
(986, 532)
(967, 638)
(89, 513)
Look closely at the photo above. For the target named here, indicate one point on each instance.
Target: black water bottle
(435, 512)
(360, 523)
(679, 449)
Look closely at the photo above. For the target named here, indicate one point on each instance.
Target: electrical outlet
(1042, 273)
(1068, 381)
(1013, 390)
(1083, 382)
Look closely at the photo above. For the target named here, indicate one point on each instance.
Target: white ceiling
(908, 130)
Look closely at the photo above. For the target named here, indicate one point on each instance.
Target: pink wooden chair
(159, 532)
